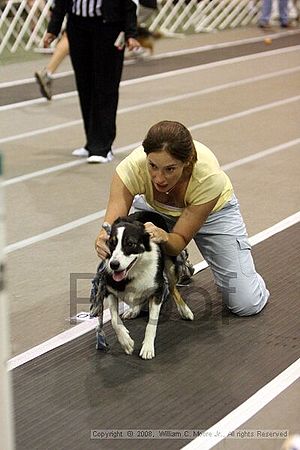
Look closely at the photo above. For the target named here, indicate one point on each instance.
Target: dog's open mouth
(119, 275)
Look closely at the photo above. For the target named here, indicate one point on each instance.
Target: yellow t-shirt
(207, 180)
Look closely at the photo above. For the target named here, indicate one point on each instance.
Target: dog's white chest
(139, 289)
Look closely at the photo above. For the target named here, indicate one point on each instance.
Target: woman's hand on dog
(157, 235)
(101, 246)
(133, 44)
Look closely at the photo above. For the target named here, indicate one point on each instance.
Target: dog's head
(127, 243)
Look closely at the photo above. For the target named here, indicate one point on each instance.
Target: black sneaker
(264, 25)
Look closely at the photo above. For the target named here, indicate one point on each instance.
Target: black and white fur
(135, 275)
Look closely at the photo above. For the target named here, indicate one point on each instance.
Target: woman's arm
(130, 13)
(119, 204)
(58, 12)
(190, 221)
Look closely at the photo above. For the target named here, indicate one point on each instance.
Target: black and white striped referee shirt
(86, 8)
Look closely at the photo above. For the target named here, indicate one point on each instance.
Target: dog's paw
(132, 313)
(125, 340)
(147, 351)
(185, 312)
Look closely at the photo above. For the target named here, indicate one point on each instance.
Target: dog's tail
(146, 37)
(171, 275)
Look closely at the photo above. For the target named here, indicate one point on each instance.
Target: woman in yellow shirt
(181, 179)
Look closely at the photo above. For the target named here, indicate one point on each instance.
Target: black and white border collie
(134, 274)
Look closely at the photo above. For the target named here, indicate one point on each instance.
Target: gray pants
(223, 243)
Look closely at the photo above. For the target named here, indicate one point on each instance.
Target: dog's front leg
(121, 331)
(147, 350)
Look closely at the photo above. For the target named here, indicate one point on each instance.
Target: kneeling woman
(181, 179)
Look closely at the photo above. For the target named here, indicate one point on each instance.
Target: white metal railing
(23, 23)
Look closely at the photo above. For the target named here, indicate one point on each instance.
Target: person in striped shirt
(98, 31)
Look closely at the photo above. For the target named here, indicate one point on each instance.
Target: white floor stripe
(119, 150)
(200, 266)
(262, 154)
(274, 229)
(212, 65)
(246, 410)
(239, 42)
(247, 112)
(171, 54)
(160, 102)
(42, 172)
(28, 134)
(262, 236)
(162, 75)
(85, 327)
(54, 232)
(64, 166)
(96, 216)
(56, 341)
(8, 84)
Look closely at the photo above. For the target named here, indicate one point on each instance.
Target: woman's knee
(247, 298)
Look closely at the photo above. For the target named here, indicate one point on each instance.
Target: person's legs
(44, 76)
(60, 52)
(107, 71)
(224, 244)
(80, 42)
(283, 12)
(265, 12)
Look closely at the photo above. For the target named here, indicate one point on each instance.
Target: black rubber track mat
(202, 370)
(141, 68)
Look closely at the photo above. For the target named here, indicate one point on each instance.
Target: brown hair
(174, 138)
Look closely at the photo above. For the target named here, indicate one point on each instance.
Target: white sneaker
(81, 152)
(95, 159)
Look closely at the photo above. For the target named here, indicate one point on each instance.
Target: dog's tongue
(119, 276)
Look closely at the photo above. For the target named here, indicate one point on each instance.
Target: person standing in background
(267, 10)
(98, 32)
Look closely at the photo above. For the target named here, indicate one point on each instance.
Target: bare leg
(60, 52)
(44, 76)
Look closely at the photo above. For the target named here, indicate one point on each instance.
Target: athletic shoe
(45, 83)
(96, 159)
(264, 25)
(83, 152)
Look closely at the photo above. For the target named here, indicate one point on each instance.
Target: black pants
(98, 67)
